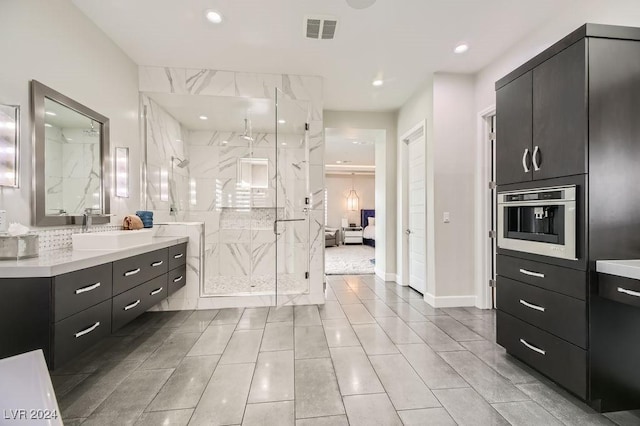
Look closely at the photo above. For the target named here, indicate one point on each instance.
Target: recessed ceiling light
(461, 48)
(355, 142)
(47, 125)
(338, 162)
(284, 143)
(225, 142)
(178, 140)
(213, 16)
(203, 117)
(282, 121)
(51, 113)
(378, 82)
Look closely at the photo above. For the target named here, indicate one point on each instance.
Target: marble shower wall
(72, 170)
(167, 184)
(211, 191)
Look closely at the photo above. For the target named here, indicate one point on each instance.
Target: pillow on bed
(372, 221)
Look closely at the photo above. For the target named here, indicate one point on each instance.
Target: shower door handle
(275, 223)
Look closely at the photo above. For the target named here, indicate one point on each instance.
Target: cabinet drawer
(80, 331)
(558, 314)
(619, 289)
(177, 255)
(79, 290)
(130, 304)
(176, 279)
(130, 272)
(555, 278)
(563, 362)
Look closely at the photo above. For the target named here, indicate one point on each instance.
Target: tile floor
(374, 354)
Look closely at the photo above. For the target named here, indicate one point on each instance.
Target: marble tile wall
(72, 170)
(167, 184)
(230, 249)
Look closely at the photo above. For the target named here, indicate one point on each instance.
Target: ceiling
(228, 113)
(400, 41)
(354, 148)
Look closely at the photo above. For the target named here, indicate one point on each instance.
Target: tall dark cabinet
(571, 116)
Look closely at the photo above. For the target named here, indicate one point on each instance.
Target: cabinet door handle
(177, 279)
(87, 330)
(154, 292)
(532, 306)
(87, 288)
(525, 166)
(178, 256)
(534, 157)
(531, 274)
(154, 264)
(629, 292)
(533, 348)
(132, 272)
(133, 305)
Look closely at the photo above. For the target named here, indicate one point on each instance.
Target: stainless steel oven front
(539, 221)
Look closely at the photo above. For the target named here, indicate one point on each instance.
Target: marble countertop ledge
(57, 262)
(622, 268)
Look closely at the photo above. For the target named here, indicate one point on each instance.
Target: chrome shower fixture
(247, 131)
(181, 163)
(92, 132)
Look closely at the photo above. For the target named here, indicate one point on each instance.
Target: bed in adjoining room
(368, 223)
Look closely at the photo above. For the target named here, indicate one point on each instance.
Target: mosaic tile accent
(60, 238)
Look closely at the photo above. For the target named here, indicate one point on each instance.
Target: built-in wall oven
(539, 221)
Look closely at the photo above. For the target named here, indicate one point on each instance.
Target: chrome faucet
(86, 219)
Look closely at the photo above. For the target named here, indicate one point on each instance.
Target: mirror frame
(39, 92)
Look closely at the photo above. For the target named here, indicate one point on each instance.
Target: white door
(417, 214)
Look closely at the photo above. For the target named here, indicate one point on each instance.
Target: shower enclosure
(240, 166)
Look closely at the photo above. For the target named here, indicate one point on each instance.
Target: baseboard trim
(449, 301)
(383, 275)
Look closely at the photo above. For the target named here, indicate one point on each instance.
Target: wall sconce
(164, 184)
(9, 145)
(122, 172)
(352, 199)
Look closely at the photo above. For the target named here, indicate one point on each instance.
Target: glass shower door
(292, 220)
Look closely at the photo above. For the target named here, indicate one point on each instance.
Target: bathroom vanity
(66, 300)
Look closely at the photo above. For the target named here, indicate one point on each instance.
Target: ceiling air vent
(320, 27)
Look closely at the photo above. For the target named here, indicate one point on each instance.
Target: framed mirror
(71, 160)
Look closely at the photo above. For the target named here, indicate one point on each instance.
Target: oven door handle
(525, 164)
(531, 274)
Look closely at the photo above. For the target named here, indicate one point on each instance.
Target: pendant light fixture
(352, 199)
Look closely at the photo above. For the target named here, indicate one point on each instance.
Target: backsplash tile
(60, 238)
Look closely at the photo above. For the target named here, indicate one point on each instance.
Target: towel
(132, 222)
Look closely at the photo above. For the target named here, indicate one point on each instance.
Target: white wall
(53, 42)
(447, 103)
(338, 188)
(386, 182)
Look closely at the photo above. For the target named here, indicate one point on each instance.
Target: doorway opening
(350, 200)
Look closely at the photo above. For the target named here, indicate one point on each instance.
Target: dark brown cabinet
(514, 131)
(576, 125)
(542, 120)
(560, 114)
(65, 314)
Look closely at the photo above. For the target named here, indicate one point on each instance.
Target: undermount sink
(111, 240)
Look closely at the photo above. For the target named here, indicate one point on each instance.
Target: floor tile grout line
(255, 368)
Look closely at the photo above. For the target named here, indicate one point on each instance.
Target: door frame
(482, 274)
(403, 208)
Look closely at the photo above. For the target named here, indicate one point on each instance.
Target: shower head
(181, 163)
(247, 131)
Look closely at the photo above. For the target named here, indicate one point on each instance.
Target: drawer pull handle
(133, 305)
(154, 292)
(531, 274)
(132, 272)
(532, 306)
(178, 256)
(87, 288)
(88, 330)
(629, 292)
(175, 280)
(533, 348)
(154, 264)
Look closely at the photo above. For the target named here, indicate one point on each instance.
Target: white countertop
(56, 262)
(622, 268)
